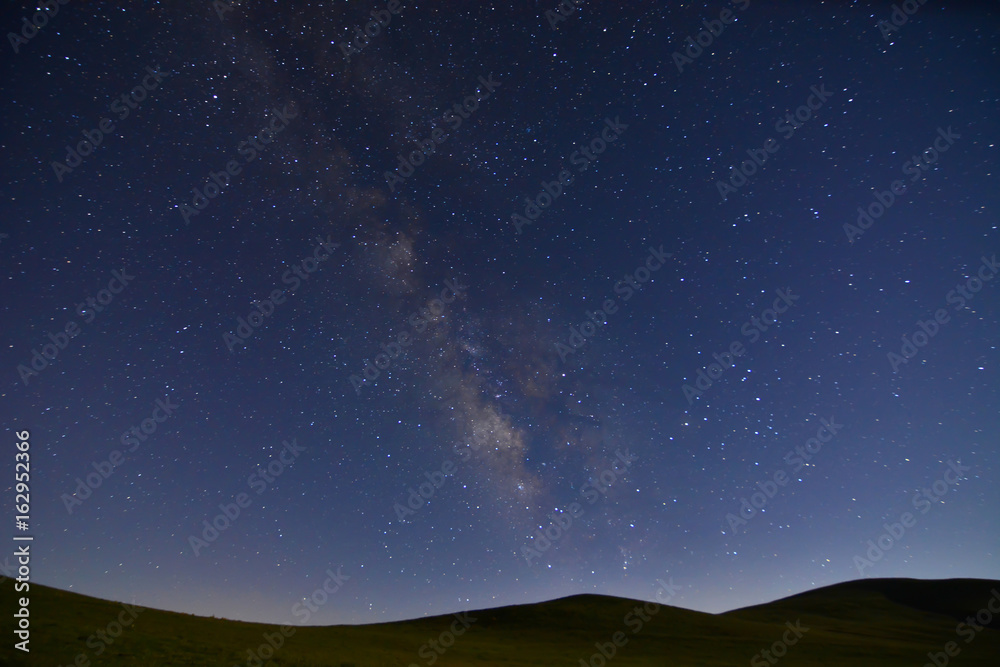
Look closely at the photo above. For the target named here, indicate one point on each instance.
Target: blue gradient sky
(482, 386)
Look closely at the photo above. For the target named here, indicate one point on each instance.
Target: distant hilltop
(868, 622)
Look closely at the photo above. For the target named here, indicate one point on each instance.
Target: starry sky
(473, 304)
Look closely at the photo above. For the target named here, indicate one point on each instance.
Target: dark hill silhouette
(863, 623)
(953, 598)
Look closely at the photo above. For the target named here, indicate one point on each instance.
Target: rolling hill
(867, 622)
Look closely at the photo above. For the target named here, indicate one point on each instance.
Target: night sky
(708, 315)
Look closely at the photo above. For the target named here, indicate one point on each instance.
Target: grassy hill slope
(870, 622)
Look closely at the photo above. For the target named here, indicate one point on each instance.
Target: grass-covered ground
(872, 622)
